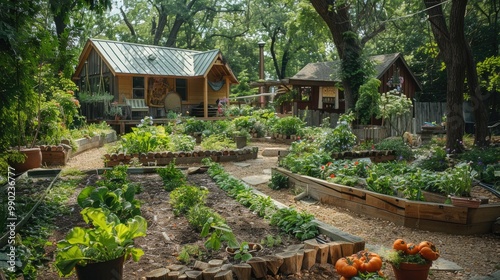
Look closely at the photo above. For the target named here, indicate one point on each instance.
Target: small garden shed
(316, 88)
(149, 79)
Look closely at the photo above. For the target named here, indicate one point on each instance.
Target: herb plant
(172, 177)
(185, 197)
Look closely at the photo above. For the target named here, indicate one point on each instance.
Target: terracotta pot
(108, 270)
(411, 271)
(33, 160)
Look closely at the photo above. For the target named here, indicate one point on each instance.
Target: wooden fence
(424, 112)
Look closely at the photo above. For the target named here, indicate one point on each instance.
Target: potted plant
(98, 252)
(412, 261)
(457, 184)
(115, 111)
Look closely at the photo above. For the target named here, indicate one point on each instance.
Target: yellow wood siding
(124, 88)
(195, 92)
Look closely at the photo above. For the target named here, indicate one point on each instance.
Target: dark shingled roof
(330, 71)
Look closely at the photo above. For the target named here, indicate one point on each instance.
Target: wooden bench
(137, 105)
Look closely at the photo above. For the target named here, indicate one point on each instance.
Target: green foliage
(243, 252)
(342, 138)
(271, 241)
(436, 161)
(182, 142)
(278, 181)
(144, 138)
(219, 232)
(304, 158)
(299, 224)
(457, 180)
(217, 143)
(367, 105)
(194, 125)
(188, 251)
(106, 240)
(288, 126)
(199, 214)
(185, 197)
(172, 177)
(379, 182)
(402, 151)
(262, 205)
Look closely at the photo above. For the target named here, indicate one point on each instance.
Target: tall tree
(457, 55)
(345, 24)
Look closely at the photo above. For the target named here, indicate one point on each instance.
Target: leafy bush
(300, 224)
(278, 181)
(182, 142)
(217, 143)
(172, 177)
(143, 139)
(185, 197)
(199, 214)
(436, 161)
(194, 125)
(402, 151)
(341, 139)
(288, 126)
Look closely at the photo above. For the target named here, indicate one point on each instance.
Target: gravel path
(478, 255)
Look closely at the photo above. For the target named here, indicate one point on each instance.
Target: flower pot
(108, 270)
(32, 160)
(241, 142)
(411, 271)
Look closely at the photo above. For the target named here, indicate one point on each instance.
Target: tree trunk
(172, 36)
(453, 48)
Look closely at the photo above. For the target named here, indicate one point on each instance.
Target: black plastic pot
(108, 270)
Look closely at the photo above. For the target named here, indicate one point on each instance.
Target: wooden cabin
(152, 80)
(315, 85)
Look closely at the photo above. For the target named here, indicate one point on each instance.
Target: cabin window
(305, 93)
(138, 87)
(181, 88)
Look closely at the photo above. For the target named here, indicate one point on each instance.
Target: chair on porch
(173, 102)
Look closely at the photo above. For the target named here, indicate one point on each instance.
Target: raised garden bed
(429, 216)
(58, 155)
(164, 158)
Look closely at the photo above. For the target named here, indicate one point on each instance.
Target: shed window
(138, 87)
(181, 88)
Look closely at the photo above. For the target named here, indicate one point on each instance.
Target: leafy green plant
(120, 201)
(367, 105)
(185, 197)
(457, 181)
(288, 126)
(188, 251)
(342, 138)
(262, 205)
(376, 182)
(172, 177)
(199, 214)
(278, 181)
(217, 143)
(219, 232)
(182, 142)
(193, 125)
(243, 252)
(436, 161)
(300, 224)
(271, 241)
(106, 240)
(401, 150)
(144, 138)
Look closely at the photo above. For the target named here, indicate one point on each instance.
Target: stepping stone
(256, 179)
(242, 164)
(271, 152)
(267, 171)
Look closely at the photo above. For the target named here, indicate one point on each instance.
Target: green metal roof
(130, 58)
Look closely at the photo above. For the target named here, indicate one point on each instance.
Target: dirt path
(478, 255)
